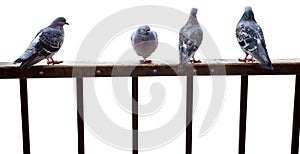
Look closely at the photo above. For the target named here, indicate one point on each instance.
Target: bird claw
(54, 62)
(145, 61)
(246, 59)
(195, 61)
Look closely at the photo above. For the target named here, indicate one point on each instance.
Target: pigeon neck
(247, 18)
(193, 20)
(56, 27)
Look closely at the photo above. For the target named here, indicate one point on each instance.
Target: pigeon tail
(265, 62)
(261, 55)
(19, 60)
(26, 64)
(267, 66)
(180, 44)
(184, 59)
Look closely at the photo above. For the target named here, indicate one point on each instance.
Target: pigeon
(45, 44)
(144, 42)
(190, 38)
(251, 39)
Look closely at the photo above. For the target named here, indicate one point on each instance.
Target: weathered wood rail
(80, 70)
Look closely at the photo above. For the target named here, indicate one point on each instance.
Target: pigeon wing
(46, 43)
(251, 39)
(52, 39)
(30, 51)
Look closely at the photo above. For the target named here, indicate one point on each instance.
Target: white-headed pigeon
(251, 39)
(144, 42)
(45, 44)
(190, 38)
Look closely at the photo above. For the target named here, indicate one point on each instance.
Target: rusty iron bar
(24, 112)
(135, 119)
(243, 114)
(85, 69)
(189, 115)
(281, 67)
(80, 115)
(296, 118)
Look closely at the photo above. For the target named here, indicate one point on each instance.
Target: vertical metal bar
(135, 115)
(296, 118)
(189, 115)
(243, 113)
(80, 115)
(24, 112)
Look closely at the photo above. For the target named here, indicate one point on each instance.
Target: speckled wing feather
(251, 39)
(46, 43)
(190, 38)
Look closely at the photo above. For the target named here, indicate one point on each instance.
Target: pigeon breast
(144, 45)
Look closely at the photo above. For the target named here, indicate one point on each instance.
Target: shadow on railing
(209, 67)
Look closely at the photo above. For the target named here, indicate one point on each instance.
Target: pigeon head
(194, 12)
(144, 30)
(59, 22)
(248, 14)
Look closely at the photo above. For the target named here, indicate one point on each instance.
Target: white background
(52, 107)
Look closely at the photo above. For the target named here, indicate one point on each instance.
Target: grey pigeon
(45, 44)
(251, 39)
(144, 42)
(190, 38)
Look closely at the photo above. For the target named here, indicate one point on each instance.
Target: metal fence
(81, 70)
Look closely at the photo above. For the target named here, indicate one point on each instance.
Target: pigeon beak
(147, 31)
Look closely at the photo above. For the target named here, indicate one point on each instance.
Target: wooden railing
(80, 70)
